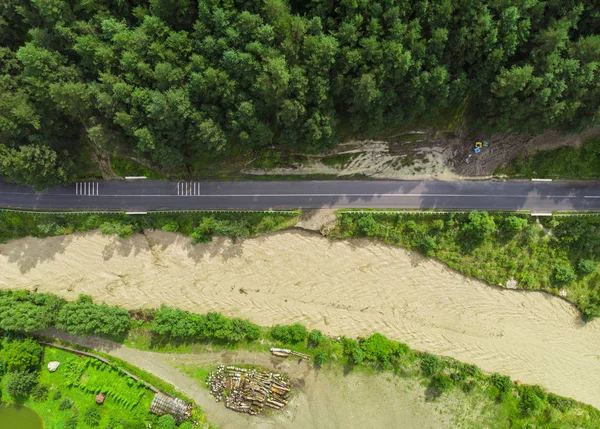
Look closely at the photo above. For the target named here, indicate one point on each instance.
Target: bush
(123, 230)
(352, 350)
(320, 359)
(22, 355)
(514, 224)
(65, 404)
(83, 317)
(585, 267)
(170, 227)
(430, 364)
(91, 416)
(377, 348)
(501, 382)
(183, 326)
(165, 422)
(72, 422)
(367, 225)
(28, 312)
(295, 333)
(442, 382)
(530, 403)
(564, 274)
(315, 338)
(40, 392)
(57, 395)
(479, 227)
(19, 384)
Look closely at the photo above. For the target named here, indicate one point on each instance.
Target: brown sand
(352, 288)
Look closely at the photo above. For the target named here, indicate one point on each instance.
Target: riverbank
(351, 287)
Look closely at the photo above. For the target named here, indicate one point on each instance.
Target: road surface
(143, 195)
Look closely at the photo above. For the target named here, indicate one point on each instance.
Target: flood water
(19, 417)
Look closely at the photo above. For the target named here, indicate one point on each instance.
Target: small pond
(19, 417)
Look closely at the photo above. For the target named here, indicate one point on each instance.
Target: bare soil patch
(430, 154)
(342, 287)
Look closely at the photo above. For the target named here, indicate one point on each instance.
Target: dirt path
(351, 288)
(324, 399)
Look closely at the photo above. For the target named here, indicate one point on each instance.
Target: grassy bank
(564, 163)
(169, 330)
(201, 226)
(554, 254)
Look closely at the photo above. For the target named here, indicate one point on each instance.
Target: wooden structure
(288, 352)
(248, 390)
(164, 403)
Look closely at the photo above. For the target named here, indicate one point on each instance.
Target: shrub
(442, 382)
(91, 416)
(171, 226)
(295, 333)
(83, 317)
(352, 350)
(514, 224)
(430, 364)
(65, 404)
(72, 422)
(428, 245)
(27, 312)
(166, 422)
(320, 359)
(367, 225)
(177, 324)
(19, 384)
(22, 355)
(377, 348)
(479, 227)
(564, 274)
(530, 403)
(315, 338)
(585, 267)
(57, 395)
(501, 382)
(40, 392)
(472, 370)
(123, 230)
(181, 325)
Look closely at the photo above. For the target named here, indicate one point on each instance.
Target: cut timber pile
(287, 352)
(248, 390)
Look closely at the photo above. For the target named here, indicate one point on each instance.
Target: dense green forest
(175, 81)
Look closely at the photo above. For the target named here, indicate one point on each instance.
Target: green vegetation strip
(511, 404)
(550, 254)
(199, 225)
(564, 163)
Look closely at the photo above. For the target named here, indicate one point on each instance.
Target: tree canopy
(178, 80)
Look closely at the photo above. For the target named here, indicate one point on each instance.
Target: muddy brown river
(342, 287)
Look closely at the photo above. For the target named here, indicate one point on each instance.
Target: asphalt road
(142, 195)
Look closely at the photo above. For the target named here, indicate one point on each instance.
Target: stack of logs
(288, 352)
(248, 390)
